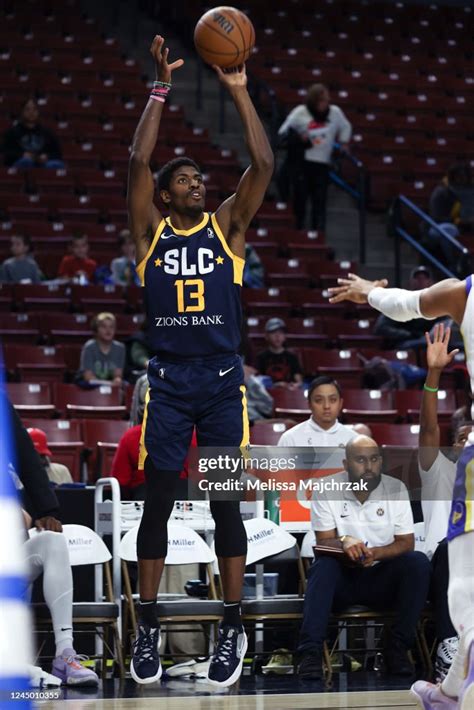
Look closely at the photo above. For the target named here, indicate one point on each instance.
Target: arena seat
(343, 365)
(101, 439)
(290, 404)
(19, 328)
(408, 403)
(33, 363)
(31, 399)
(268, 433)
(403, 434)
(41, 297)
(362, 405)
(97, 403)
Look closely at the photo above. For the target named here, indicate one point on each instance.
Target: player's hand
(160, 55)
(354, 289)
(235, 77)
(437, 356)
(49, 523)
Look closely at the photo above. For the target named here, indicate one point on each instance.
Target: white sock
(461, 605)
(48, 553)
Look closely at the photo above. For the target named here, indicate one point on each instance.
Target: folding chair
(98, 616)
(268, 543)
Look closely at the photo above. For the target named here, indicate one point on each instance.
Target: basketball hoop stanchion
(107, 515)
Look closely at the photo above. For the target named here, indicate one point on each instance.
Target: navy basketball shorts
(208, 394)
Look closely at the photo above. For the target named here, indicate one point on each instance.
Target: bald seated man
(367, 516)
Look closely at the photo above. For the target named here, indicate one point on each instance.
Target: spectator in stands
(253, 269)
(412, 333)
(438, 474)
(21, 266)
(125, 464)
(452, 207)
(28, 144)
(123, 267)
(323, 427)
(47, 554)
(370, 529)
(259, 401)
(77, 266)
(103, 357)
(277, 362)
(318, 124)
(138, 353)
(57, 472)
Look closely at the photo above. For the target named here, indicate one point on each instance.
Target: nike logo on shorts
(224, 372)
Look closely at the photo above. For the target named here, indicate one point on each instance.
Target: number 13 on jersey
(190, 290)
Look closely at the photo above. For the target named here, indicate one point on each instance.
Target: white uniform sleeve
(437, 482)
(286, 439)
(322, 517)
(403, 518)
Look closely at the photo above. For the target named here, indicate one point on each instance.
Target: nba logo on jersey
(161, 373)
(210, 233)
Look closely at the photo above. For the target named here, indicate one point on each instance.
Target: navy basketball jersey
(192, 284)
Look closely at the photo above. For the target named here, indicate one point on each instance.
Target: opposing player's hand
(160, 55)
(232, 77)
(437, 356)
(354, 289)
(49, 523)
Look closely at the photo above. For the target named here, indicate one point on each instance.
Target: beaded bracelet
(430, 389)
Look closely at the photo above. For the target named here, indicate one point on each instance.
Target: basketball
(224, 36)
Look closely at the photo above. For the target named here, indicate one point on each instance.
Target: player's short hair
(324, 380)
(166, 172)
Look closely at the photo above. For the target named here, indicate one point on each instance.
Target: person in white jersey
(323, 427)
(454, 298)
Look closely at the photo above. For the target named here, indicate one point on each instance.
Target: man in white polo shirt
(373, 525)
(323, 427)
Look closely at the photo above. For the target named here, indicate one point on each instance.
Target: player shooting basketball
(454, 298)
(191, 265)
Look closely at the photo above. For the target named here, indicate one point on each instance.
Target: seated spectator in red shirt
(125, 465)
(277, 362)
(77, 266)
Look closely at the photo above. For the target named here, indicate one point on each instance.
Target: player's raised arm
(437, 358)
(144, 217)
(236, 213)
(446, 298)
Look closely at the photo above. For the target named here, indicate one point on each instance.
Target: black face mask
(319, 116)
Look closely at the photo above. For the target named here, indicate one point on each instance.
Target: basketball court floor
(363, 691)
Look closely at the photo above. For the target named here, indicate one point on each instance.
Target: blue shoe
(228, 659)
(145, 666)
